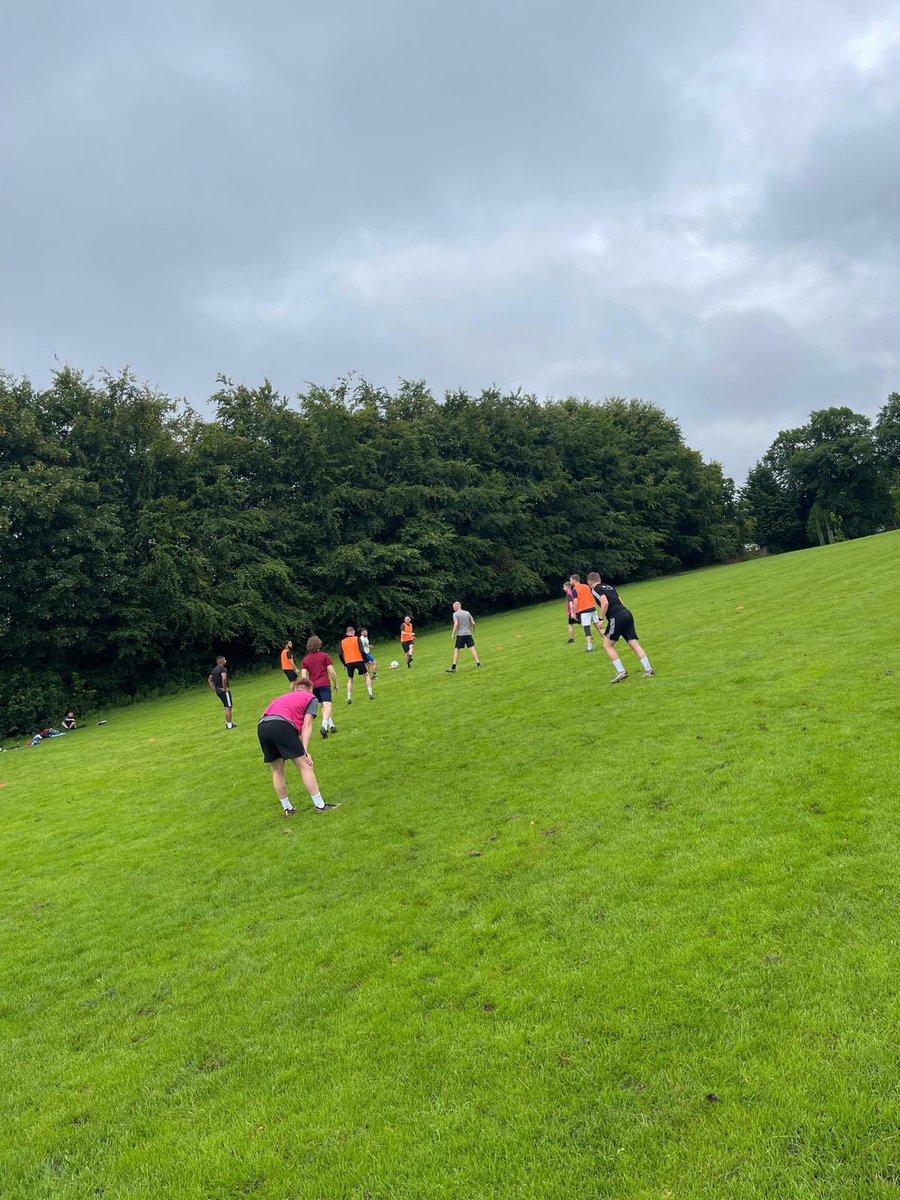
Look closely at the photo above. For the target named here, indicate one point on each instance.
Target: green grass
(561, 940)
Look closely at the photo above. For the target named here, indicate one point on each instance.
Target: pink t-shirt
(292, 706)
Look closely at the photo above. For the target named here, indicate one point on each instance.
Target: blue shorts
(369, 658)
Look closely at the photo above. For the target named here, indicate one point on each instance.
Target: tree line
(139, 538)
(836, 477)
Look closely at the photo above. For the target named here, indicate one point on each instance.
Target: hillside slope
(561, 938)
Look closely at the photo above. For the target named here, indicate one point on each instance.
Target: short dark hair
(220, 658)
(576, 578)
(313, 644)
(594, 577)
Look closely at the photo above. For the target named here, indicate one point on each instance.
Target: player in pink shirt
(284, 730)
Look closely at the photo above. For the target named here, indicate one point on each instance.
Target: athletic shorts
(323, 694)
(621, 626)
(573, 620)
(225, 697)
(588, 617)
(292, 675)
(369, 658)
(463, 640)
(407, 647)
(357, 668)
(278, 738)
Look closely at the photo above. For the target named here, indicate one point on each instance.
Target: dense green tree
(828, 473)
(138, 539)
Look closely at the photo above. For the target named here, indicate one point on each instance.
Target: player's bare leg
(279, 783)
(639, 651)
(305, 766)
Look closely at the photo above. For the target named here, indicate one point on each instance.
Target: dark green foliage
(826, 481)
(138, 539)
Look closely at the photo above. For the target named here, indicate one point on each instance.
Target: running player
(319, 669)
(619, 624)
(284, 730)
(407, 639)
(367, 650)
(585, 609)
(463, 629)
(571, 619)
(287, 664)
(218, 681)
(353, 657)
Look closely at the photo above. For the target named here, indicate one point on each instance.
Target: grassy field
(561, 939)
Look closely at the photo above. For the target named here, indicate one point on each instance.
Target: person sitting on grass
(284, 731)
(68, 722)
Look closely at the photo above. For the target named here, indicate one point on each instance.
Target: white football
(394, 665)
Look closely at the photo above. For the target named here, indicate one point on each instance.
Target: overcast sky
(695, 202)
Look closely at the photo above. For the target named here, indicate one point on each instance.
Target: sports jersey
(364, 642)
(406, 632)
(287, 660)
(316, 666)
(292, 707)
(615, 607)
(217, 675)
(463, 621)
(351, 651)
(584, 597)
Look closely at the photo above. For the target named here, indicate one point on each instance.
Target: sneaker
(449, 670)
(332, 729)
(620, 675)
(570, 642)
(324, 732)
(589, 649)
(478, 664)
(349, 699)
(647, 674)
(324, 808)
(371, 695)
(288, 812)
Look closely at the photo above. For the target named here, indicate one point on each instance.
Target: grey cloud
(694, 203)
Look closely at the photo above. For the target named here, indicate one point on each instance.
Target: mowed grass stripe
(550, 920)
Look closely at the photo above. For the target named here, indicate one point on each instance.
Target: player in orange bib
(287, 665)
(585, 608)
(407, 639)
(353, 657)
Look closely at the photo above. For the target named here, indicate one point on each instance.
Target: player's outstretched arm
(306, 733)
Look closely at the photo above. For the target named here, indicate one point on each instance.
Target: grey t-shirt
(463, 622)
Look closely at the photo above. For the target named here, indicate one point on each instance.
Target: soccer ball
(394, 665)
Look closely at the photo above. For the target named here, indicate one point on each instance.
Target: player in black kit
(619, 624)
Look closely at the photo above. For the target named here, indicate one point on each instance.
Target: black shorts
(407, 647)
(323, 694)
(279, 739)
(292, 674)
(357, 668)
(463, 640)
(621, 626)
(573, 620)
(225, 697)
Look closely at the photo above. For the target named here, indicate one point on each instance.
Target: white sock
(369, 685)
(285, 804)
(317, 800)
(229, 724)
(645, 663)
(617, 663)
